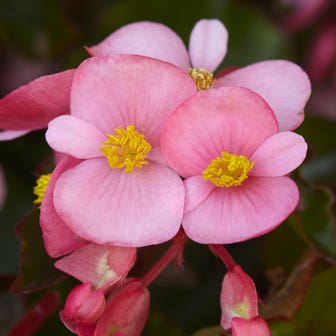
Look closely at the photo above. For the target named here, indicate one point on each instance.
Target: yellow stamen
(204, 79)
(41, 187)
(228, 170)
(127, 148)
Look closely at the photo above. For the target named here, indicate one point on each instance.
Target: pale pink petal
(116, 91)
(238, 297)
(279, 155)
(32, 106)
(254, 327)
(156, 155)
(208, 44)
(236, 214)
(101, 265)
(284, 85)
(76, 137)
(147, 39)
(10, 135)
(214, 121)
(57, 236)
(109, 206)
(3, 189)
(197, 190)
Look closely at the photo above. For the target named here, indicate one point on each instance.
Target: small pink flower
(122, 192)
(3, 190)
(225, 143)
(83, 307)
(254, 327)
(284, 85)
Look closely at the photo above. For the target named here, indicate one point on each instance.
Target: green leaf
(37, 269)
(317, 220)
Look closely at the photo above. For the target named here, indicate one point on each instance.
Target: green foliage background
(293, 265)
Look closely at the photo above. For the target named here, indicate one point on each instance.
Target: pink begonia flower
(225, 143)
(32, 106)
(3, 189)
(83, 307)
(255, 327)
(238, 297)
(126, 313)
(101, 265)
(284, 85)
(122, 193)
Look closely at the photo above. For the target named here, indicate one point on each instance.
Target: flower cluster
(151, 146)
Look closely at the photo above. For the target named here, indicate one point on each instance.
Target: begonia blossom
(283, 84)
(226, 144)
(255, 327)
(122, 192)
(3, 189)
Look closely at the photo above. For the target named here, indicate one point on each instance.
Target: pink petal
(57, 236)
(32, 106)
(238, 297)
(76, 137)
(121, 90)
(3, 189)
(214, 121)
(254, 327)
(197, 190)
(284, 85)
(10, 135)
(279, 155)
(147, 39)
(101, 265)
(109, 206)
(237, 214)
(208, 44)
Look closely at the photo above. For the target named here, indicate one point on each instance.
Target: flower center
(228, 170)
(204, 79)
(41, 187)
(127, 148)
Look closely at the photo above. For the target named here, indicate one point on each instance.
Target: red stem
(37, 315)
(172, 252)
(221, 252)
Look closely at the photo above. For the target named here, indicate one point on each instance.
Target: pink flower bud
(238, 297)
(126, 313)
(255, 327)
(83, 307)
(102, 265)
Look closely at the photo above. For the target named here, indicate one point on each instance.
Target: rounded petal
(237, 214)
(147, 39)
(208, 44)
(197, 190)
(109, 206)
(101, 265)
(10, 135)
(279, 155)
(32, 106)
(116, 91)
(74, 136)
(214, 121)
(57, 236)
(284, 85)
(254, 327)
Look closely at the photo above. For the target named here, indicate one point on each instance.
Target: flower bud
(238, 297)
(83, 306)
(126, 313)
(254, 327)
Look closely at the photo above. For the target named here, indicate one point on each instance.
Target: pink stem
(221, 252)
(173, 251)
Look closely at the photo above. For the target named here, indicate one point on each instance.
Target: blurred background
(293, 266)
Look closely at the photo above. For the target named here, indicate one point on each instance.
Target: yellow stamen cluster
(127, 148)
(41, 187)
(204, 79)
(228, 170)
